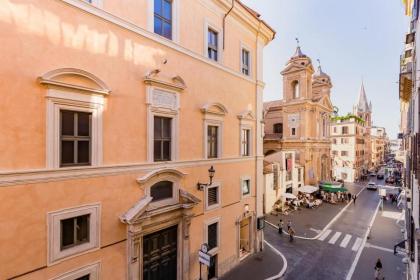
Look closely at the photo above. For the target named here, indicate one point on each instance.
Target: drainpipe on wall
(261, 237)
(224, 21)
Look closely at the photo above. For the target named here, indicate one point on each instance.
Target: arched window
(295, 89)
(161, 190)
(278, 128)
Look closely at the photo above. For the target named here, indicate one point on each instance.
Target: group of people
(290, 230)
(338, 197)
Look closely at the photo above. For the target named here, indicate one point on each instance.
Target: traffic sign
(204, 258)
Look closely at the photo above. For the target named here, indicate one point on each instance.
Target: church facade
(300, 121)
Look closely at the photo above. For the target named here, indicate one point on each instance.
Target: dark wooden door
(160, 255)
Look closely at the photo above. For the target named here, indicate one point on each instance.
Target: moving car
(372, 186)
(380, 175)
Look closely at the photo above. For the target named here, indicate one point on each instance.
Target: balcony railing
(273, 136)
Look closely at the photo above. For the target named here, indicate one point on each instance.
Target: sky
(354, 40)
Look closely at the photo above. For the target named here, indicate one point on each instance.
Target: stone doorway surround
(250, 217)
(146, 217)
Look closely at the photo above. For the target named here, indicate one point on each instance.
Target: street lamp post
(201, 186)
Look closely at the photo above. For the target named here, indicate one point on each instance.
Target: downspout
(224, 21)
(261, 245)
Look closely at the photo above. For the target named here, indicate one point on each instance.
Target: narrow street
(333, 253)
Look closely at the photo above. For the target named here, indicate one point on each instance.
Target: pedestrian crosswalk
(347, 240)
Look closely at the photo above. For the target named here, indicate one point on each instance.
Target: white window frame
(175, 20)
(245, 47)
(207, 26)
(92, 269)
(219, 196)
(207, 223)
(219, 124)
(162, 110)
(55, 254)
(74, 101)
(243, 179)
(250, 142)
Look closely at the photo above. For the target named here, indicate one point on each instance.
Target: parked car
(372, 174)
(390, 180)
(372, 186)
(380, 175)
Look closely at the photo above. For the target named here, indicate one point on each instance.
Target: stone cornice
(23, 177)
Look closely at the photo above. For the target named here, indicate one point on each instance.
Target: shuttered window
(212, 235)
(212, 196)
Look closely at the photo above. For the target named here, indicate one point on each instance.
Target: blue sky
(353, 39)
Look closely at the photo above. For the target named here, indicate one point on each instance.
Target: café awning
(289, 196)
(308, 189)
(333, 188)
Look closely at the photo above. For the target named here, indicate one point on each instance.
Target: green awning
(329, 188)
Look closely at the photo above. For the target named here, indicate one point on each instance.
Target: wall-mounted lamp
(201, 186)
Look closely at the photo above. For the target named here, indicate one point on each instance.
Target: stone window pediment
(215, 109)
(74, 79)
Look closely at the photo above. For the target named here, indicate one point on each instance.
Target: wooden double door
(160, 255)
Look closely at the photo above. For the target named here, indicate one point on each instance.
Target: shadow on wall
(29, 19)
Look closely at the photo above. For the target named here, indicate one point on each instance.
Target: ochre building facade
(111, 114)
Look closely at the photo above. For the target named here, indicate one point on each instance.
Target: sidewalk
(260, 266)
(310, 222)
(384, 235)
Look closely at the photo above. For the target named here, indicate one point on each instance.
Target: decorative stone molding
(214, 108)
(55, 77)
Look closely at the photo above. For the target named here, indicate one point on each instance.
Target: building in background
(111, 117)
(300, 121)
(351, 146)
(282, 175)
(380, 143)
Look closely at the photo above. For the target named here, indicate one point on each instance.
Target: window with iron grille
(74, 231)
(212, 141)
(163, 18)
(212, 44)
(212, 196)
(162, 138)
(212, 235)
(245, 62)
(245, 142)
(161, 190)
(75, 138)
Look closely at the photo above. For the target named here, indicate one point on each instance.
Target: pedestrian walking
(354, 199)
(289, 225)
(349, 196)
(291, 233)
(281, 226)
(378, 269)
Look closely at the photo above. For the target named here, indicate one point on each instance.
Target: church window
(295, 89)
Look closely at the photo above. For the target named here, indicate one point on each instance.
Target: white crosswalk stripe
(341, 239)
(345, 241)
(335, 237)
(324, 235)
(357, 244)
